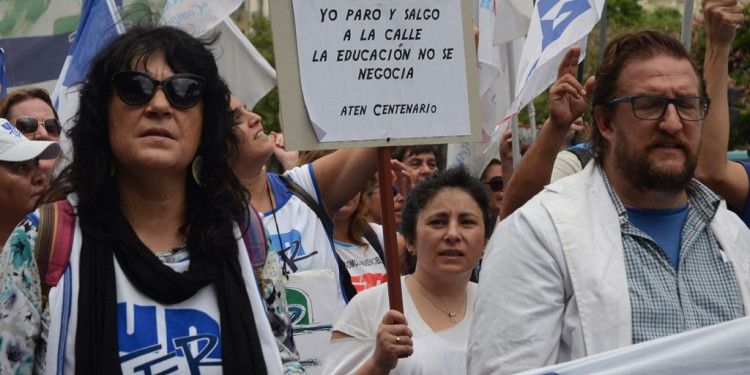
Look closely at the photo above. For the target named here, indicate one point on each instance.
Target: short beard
(647, 176)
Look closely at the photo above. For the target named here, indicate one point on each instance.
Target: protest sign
(375, 73)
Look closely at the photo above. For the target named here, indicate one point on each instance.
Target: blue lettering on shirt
(291, 251)
(192, 340)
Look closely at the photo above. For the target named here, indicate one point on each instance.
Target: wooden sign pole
(392, 260)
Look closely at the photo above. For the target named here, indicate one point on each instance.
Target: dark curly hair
(457, 177)
(210, 208)
(618, 53)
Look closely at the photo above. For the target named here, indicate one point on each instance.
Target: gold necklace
(451, 315)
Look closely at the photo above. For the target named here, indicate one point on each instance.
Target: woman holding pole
(446, 224)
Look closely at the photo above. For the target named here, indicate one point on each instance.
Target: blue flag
(100, 22)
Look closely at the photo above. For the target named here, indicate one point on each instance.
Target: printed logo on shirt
(298, 304)
(172, 341)
(291, 250)
(368, 280)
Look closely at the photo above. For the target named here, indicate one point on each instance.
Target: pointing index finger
(569, 63)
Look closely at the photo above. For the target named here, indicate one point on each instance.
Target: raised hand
(723, 18)
(568, 99)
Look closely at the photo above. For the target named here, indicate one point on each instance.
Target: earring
(197, 168)
(112, 169)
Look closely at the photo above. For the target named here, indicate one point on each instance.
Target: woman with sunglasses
(492, 177)
(21, 179)
(31, 111)
(158, 276)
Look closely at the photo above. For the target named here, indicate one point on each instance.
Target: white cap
(14, 146)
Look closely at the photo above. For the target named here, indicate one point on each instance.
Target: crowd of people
(161, 242)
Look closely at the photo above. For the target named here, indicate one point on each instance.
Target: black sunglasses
(135, 88)
(29, 125)
(496, 183)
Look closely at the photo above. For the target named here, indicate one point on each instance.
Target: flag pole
(392, 260)
(687, 23)
(512, 90)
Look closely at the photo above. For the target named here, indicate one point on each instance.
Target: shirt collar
(699, 198)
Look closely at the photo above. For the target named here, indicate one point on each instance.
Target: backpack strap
(54, 243)
(254, 237)
(299, 192)
(372, 238)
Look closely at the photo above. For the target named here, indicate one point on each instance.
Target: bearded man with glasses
(632, 248)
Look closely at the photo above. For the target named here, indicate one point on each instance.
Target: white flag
(512, 19)
(494, 95)
(556, 25)
(197, 16)
(247, 73)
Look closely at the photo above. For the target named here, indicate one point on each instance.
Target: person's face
(255, 145)
(659, 154)
(496, 196)
(155, 135)
(420, 166)
(449, 235)
(39, 110)
(22, 184)
(398, 207)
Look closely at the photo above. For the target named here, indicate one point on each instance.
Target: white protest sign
(383, 69)
(372, 69)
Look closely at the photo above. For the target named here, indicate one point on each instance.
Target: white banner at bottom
(722, 349)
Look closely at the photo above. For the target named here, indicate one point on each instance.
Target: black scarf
(96, 349)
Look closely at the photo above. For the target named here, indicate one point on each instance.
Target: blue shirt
(664, 227)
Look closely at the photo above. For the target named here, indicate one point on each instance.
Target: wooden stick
(392, 260)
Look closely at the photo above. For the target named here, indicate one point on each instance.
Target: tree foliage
(260, 37)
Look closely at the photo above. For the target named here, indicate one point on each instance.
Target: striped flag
(100, 22)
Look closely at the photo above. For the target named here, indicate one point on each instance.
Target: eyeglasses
(496, 183)
(653, 107)
(29, 125)
(135, 88)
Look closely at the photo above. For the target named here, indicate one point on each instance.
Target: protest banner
(721, 349)
(375, 73)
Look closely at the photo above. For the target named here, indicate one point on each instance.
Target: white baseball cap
(14, 146)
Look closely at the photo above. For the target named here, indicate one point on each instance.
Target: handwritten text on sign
(374, 69)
